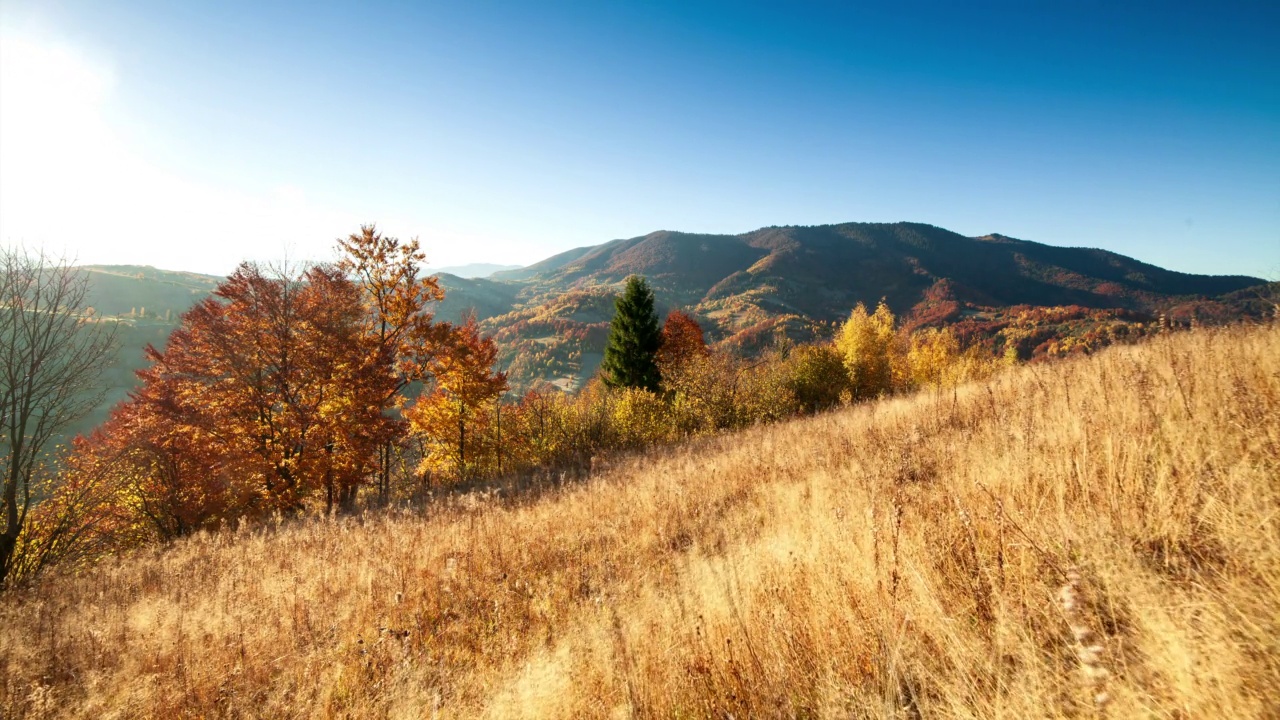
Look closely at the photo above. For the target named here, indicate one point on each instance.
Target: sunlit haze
(193, 137)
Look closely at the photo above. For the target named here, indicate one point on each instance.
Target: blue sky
(194, 135)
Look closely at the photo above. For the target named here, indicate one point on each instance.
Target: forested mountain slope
(551, 318)
(748, 288)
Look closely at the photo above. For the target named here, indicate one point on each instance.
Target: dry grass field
(1092, 537)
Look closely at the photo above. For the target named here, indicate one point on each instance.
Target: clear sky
(194, 135)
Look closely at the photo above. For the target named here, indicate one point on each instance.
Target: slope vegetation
(749, 288)
(145, 303)
(863, 262)
(1100, 533)
(746, 288)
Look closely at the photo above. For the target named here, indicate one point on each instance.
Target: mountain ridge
(746, 289)
(472, 270)
(687, 261)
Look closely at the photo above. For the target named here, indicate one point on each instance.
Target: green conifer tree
(630, 357)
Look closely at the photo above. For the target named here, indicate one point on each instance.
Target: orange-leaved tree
(452, 417)
(139, 477)
(397, 321)
(283, 390)
(274, 380)
(682, 340)
(163, 475)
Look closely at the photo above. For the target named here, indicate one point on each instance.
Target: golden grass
(907, 558)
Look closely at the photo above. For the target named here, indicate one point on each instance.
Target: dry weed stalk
(1086, 645)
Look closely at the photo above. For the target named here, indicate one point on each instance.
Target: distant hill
(146, 303)
(822, 270)
(485, 298)
(551, 318)
(800, 280)
(144, 291)
(472, 270)
(552, 263)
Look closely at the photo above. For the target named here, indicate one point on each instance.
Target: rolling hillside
(799, 280)
(472, 270)
(146, 304)
(551, 318)
(145, 293)
(1092, 538)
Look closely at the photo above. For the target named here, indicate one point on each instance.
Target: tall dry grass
(1093, 537)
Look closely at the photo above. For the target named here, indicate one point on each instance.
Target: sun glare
(71, 183)
(53, 139)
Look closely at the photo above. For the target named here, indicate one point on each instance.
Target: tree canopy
(630, 356)
(285, 390)
(682, 340)
(869, 344)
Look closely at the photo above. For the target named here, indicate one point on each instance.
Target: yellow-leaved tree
(871, 351)
(453, 418)
(816, 377)
(933, 358)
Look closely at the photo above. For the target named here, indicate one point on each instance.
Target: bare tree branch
(51, 354)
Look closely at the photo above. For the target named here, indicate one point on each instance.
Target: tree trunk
(329, 494)
(462, 447)
(347, 498)
(12, 521)
(8, 541)
(384, 472)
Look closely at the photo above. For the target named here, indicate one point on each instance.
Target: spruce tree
(630, 357)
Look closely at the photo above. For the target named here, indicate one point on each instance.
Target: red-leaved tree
(272, 385)
(682, 340)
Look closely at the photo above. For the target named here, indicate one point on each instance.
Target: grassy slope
(121, 289)
(898, 559)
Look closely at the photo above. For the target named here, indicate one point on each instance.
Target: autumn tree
(630, 354)
(76, 523)
(536, 426)
(275, 382)
(933, 358)
(816, 376)
(51, 353)
(454, 414)
(396, 298)
(128, 482)
(868, 344)
(281, 387)
(164, 475)
(682, 340)
(699, 384)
